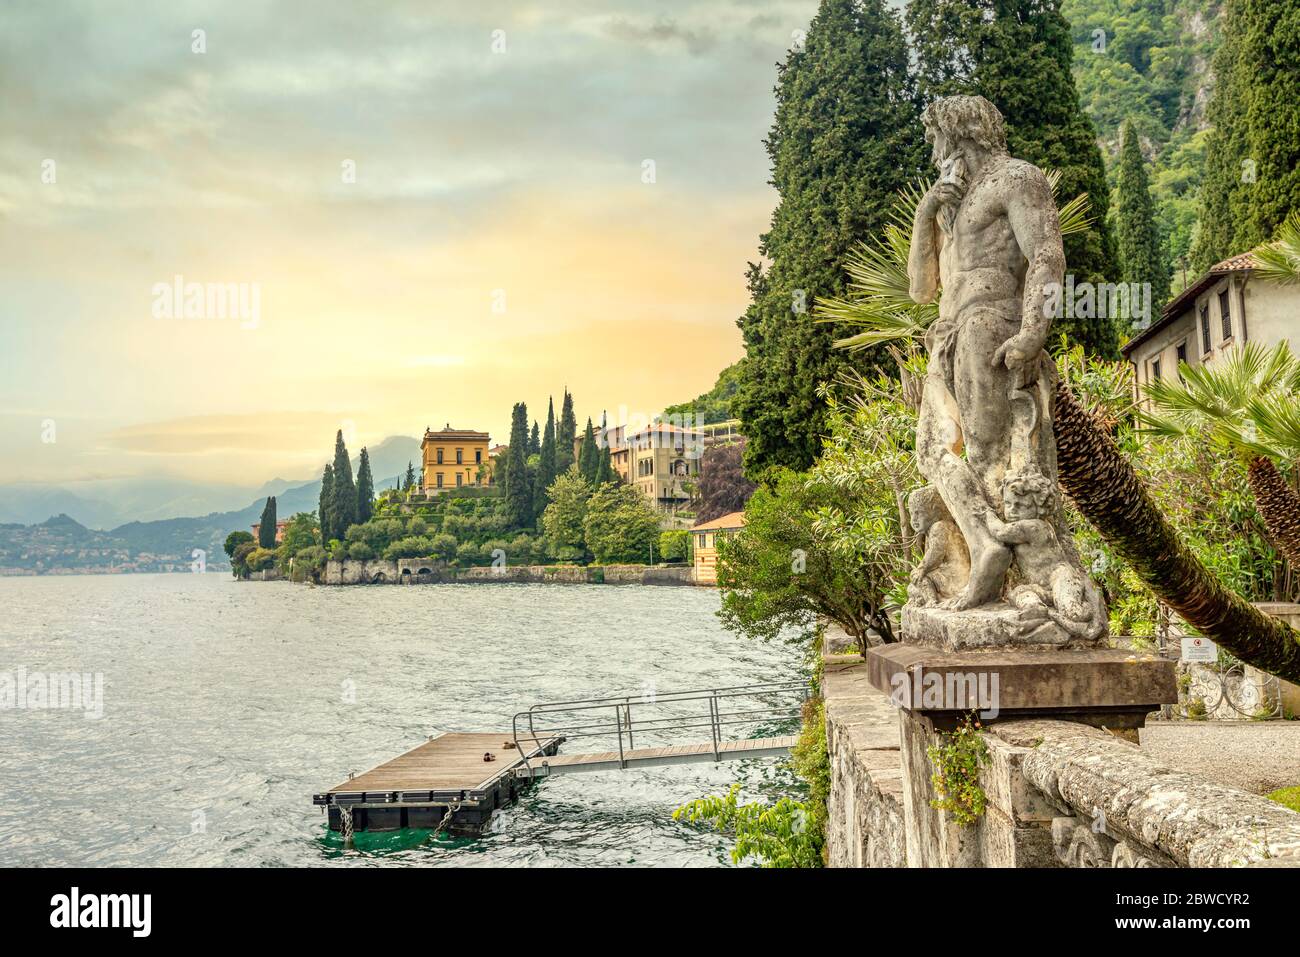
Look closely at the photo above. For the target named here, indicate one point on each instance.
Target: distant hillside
(1154, 69)
(62, 545)
(714, 405)
(109, 504)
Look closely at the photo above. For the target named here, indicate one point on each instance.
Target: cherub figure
(945, 565)
(1051, 587)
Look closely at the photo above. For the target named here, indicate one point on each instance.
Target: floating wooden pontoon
(457, 780)
(446, 775)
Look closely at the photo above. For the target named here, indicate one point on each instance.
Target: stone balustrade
(1058, 793)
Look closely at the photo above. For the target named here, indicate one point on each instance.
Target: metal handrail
(621, 706)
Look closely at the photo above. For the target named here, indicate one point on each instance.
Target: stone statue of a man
(988, 233)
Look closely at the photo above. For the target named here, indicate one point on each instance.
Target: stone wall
(1058, 793)
(865, 806)
(649, 575)
(564, 574)
(405, 570)
(351, 572)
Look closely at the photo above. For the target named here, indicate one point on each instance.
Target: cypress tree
(1271, 34)
(365, 489)
(344, 497)
(1252, 169)
(605, 473)
(546, 467)
(565, 435)
(589, 456)
(535, 441)
(327, 504)
(1018, 55)
(266, 529)
(1141, 252)
(845, 139)
(519, 492)
(410, 476)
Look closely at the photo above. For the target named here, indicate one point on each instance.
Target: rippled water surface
(226, 707)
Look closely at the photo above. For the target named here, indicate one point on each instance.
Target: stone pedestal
(935, 689)
(1102, 687)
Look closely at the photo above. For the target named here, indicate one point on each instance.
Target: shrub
(620, 525)
(829, 542)
(675, 546)
(521, 550)
(360, 551)
(1287, 797)
(312, 559)
(780, 834)
(260, 559)
(444, 546)
(413, 546)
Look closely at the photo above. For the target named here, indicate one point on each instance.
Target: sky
(427, 211)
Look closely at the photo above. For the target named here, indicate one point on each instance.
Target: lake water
(227, 705)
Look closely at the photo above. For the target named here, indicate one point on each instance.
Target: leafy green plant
(1287, 797)
(674, 545)
(957, 760)
(829, 542)
(620, 525)
(783, 834)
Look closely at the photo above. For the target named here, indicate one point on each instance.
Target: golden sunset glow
(501, 239)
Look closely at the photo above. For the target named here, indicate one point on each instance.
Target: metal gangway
(648, 728)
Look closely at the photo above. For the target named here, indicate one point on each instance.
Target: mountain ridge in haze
(112, 503)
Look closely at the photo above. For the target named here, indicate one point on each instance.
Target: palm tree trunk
(1104, 487)
(1278, 504)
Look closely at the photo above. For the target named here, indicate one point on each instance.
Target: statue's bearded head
(957, 124)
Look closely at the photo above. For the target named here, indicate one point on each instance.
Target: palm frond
(1279, 260)
(1249, 400)
(880, 296)
(1076, 215)
(1276, 420)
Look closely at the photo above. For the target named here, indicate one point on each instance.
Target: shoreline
(426, 571)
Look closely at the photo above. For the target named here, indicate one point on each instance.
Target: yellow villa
(706, 536)
(454, 458)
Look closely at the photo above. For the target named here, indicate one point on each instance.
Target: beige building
(706, 537)
(662, 460)
(453, 458)
(1228, 305)
(659, 460)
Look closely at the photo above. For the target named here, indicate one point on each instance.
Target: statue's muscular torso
(981, 263)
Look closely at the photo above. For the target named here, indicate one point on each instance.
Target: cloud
(279, 433)
(661, 32)
(475, 171)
